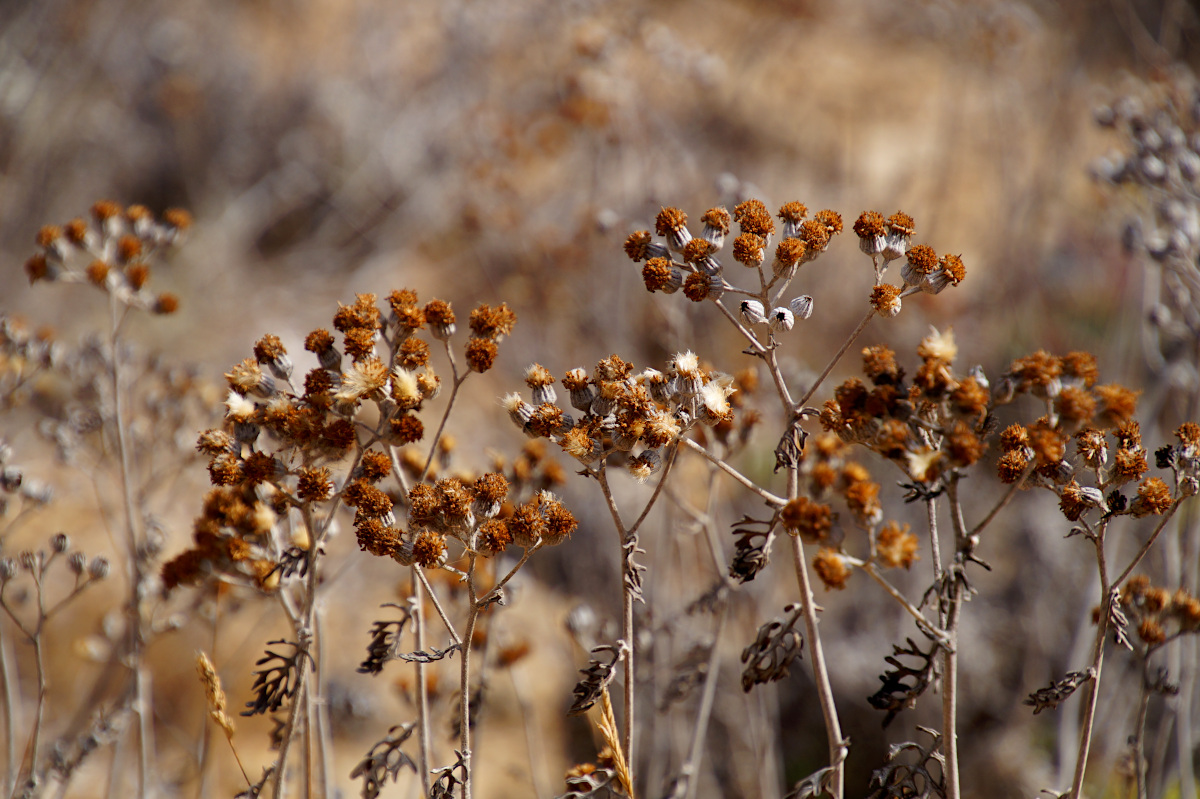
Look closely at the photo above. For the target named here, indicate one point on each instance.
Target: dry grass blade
(607, 724)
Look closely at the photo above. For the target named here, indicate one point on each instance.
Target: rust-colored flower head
(315, 484)
(494, 537)
(1117, 404)
(831, 567)
(1075, 500)
(753, 217)
(638, 246)
(896, 546)
(899, 233)
(812, 521)
(320, 342)
(716, 226)
(492, 323)
(885, 299)
(1153, 499)
(481, 354)
(749, 249)
(527, 524)
(429, 549)
(671, 224)
(440, 318)
(871, 229)
(559, 522)
(921, 262)
(792, 215)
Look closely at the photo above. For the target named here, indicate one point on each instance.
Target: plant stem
(142, 702)
(816, 651)
(464, 706)
(834, 360)
(423, 733)
(1089, 714)
(628, 539)
(735, 474)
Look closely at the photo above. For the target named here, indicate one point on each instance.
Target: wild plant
(295, 455)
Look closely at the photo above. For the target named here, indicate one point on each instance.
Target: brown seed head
(794, 212)
(314, 484)
(669, 220)
(896, 546)
(812, 521)
(429, 549)
(831, 568)
(902, 224)
(790, 252)
(832, 221)
(492, 323)
(637, 245)
(748, 249)
(481, 354)
(870, 225)
(412, 354)
(885, 299)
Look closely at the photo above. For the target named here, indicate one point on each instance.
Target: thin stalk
(736, 475)
(1089, 713)
(816, 651)
(1149, 543)
(8, 674)
(437, 437)
(464, 704)
(627, 634)
(913, 611)
(837, 357)
(691, 767)
(142, 702)
(1138, 741)
(950, 695)
(423, 734)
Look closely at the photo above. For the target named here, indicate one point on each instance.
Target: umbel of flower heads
(619, 412)
(687, 262)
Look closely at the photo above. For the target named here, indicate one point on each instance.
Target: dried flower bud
(782, 319)
(792, 215)
(60, 543)
(8, 569)
(752, 312)
(802, 306)
(77, 563)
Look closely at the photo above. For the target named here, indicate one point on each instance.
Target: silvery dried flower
(782, 319)
(802, 306)
(753, 313)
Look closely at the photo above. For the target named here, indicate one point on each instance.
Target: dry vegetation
(343, 164)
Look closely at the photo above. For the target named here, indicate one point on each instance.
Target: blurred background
(501, 152)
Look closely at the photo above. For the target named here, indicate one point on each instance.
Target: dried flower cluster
(111, 250)
(633, 416)
(1158, 613)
